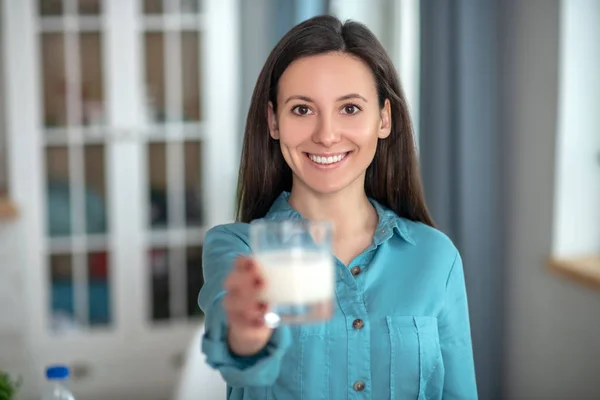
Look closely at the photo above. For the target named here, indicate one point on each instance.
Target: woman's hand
(247, 333)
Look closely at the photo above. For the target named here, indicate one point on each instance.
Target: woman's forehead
(331, 74)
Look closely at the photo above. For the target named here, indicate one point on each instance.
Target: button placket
(359, 386)
(357, 318)
(358, 324)
(355, 270)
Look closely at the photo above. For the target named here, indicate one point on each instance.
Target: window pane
(193, 184)
(155, 77)
(190, 75)
(89, 7)
(55, 84)
(92, 97)
(50, 7)
(157, 167)
(99, 290)
(62, 305)
(190, 6)
(95, 192)
(195, 280)
(153, 7)
(159, 284)
(58, 191)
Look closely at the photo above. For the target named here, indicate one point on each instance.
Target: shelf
(8, 209)
(585, 270)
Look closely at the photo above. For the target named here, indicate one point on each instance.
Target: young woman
(329, 137)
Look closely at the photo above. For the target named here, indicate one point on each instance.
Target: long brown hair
(393, 177)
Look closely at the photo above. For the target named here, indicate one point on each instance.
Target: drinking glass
(296, 261)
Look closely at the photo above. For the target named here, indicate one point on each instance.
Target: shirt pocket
(416, 358)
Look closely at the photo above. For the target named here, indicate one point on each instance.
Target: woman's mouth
(327, 159)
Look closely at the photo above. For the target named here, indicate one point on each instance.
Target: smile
(328, 159)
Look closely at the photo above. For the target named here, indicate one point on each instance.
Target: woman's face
(328, 121)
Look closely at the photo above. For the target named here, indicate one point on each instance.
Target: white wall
(553, 325)
(578, 143)
(14, 356)
(14, 341)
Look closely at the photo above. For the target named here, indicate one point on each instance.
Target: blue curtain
(459, 154)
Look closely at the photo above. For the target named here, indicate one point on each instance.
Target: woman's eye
(350, 109)
(301, 110)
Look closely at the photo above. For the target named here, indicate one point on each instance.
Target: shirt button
(359, 386)
(355, 271)
(358, 324)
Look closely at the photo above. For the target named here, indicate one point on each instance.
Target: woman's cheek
(293, 133)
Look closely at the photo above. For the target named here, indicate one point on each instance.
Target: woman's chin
(326, 186)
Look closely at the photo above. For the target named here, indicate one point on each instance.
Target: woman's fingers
(238, 301)
(235, 279)
(241, 301)
(245, 277)
(252, 316)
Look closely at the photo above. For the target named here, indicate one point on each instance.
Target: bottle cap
(57, 372)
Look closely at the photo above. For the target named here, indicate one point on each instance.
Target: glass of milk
(296, 261)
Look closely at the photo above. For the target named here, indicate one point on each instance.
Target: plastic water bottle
(56, 389)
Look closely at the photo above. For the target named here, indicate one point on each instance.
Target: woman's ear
(385, 128)
(273, 130)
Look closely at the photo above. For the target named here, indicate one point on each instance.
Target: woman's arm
(222, 245)
(455, 338)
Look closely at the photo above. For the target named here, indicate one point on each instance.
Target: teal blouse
(400, 328)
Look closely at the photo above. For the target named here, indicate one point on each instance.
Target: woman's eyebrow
(352, 96)
(298, 97)
(344, 97)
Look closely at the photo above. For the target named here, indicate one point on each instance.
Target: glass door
(173, 139)
(122, 165)
(172, 41)
(74, 139)
(78, 274)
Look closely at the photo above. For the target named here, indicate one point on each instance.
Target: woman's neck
(350, 210)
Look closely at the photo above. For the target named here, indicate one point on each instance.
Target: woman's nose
(326, 132)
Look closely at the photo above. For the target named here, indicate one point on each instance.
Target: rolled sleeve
(222, 246)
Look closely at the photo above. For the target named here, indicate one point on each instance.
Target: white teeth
(327, 160)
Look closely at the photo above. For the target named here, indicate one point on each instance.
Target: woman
(329, 136)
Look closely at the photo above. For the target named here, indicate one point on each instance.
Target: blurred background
(120, 130)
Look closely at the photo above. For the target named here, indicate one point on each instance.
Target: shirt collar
(389, 222)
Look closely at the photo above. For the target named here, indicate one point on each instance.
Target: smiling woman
(359, 81)
(329, 137)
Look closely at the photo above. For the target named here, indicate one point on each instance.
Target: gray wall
(553, 325)
(3, 161)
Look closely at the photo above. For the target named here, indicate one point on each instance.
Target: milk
(297, 276)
